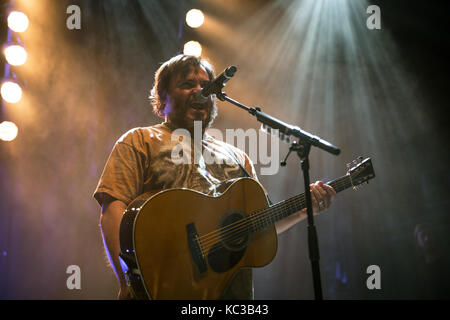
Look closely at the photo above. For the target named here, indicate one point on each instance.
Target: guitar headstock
(362, 171)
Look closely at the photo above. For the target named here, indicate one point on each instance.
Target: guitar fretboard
(267, 217)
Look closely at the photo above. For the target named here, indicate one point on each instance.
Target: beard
(178, 115)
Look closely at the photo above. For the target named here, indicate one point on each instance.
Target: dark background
(378, 93)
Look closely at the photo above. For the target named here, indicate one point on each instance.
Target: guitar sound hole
(235, 233)
(230, 249)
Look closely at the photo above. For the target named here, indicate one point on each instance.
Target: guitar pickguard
(221, 259)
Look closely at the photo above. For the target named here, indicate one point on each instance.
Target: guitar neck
(269, 216)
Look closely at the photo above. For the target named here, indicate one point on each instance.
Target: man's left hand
(321, 196)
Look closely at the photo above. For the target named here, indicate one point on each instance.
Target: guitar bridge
(195, 248)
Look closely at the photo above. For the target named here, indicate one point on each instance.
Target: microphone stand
(306, 140)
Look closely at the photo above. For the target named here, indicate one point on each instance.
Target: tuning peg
(360, 159)
(348, 165)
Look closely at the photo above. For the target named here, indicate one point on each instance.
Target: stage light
(8, 131)
(192, 48)
(18, 21)
(11, 92)
(194, 18)
(15, 55)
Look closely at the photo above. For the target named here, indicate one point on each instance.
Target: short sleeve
(123, 175)
(249, 167)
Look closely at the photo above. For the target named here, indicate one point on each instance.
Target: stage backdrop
(376, 93)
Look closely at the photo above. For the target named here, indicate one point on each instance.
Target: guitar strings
(288, 204)
(237, 231)
(241, 227)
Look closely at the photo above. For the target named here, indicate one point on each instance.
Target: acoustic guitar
(182, 244)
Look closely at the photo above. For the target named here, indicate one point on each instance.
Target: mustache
(192, 102)
(179, 112)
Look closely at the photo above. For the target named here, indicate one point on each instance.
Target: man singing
(141, 162)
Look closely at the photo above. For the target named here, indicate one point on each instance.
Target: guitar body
(172, 247)
(182, 244)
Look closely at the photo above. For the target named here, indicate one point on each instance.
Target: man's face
(181, 108)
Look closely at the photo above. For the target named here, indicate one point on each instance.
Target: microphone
(216, 85)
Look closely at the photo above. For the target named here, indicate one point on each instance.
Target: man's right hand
(110, 218)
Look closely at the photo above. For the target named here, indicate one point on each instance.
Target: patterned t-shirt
(151, 159)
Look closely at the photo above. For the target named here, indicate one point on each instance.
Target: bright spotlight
(18, 21)
(15, 55)
(192, 48)
(11, 92)
(194, 18)
(8, 131)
